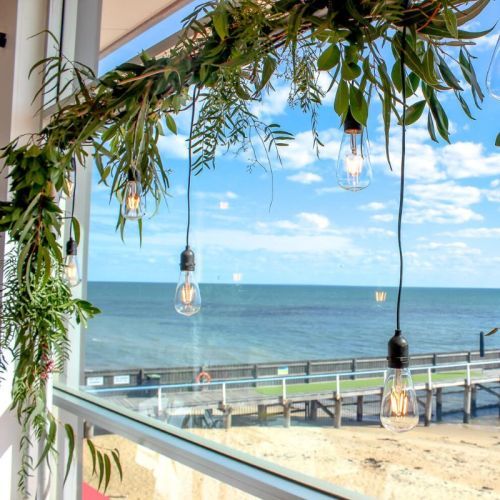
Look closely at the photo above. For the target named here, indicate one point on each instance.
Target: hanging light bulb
(399, 409)
(133, 201)
(187, 293)
(493, 76)
(354, 171)
(71, 267)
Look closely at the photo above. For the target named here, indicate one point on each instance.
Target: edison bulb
(493, 76)
(187, 294)
(399, 410)
(72, 271)
(133, 203)
(353, 167)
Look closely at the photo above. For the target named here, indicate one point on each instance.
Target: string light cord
(196, 94)
(73, 166)
(402, 178)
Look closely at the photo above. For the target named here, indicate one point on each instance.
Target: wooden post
(255, 374)
(439, 404)
(382, 395)
(262, 413)
(228, 417)
(338, 411)
(428, 405)
(359, 409)
(286, 414)
(473, 401)
(353, 368)
(313, 415)
(467, 403)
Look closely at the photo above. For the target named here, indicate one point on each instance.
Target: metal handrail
(283, 378)
(255, 476)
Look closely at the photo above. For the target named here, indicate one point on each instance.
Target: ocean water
(257, 323)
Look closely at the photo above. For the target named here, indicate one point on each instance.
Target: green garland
(231, 50)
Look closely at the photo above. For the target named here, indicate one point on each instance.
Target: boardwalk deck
(255, 400)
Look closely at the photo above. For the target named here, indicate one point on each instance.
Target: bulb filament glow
(133, 201)
(187, 292)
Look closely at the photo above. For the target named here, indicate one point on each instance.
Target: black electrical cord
(402, 181)
(73, 166)
(193, 109)
(61, 42)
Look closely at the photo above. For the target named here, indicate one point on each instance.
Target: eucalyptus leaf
(329, 58)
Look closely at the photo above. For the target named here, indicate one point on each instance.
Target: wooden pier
(216, 405)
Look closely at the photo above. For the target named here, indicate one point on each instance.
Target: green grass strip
(361, 383)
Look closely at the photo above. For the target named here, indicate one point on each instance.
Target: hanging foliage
(232, 51)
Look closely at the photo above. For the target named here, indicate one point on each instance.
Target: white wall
(19, 19)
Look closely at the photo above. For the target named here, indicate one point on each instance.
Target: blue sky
(316, 233)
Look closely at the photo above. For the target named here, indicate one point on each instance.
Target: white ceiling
(122, 20)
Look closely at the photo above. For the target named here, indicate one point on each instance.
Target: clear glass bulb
(493, 76)
(354, 171)
(399, 410)
(133, 202)
(187, 294)
(72, 271)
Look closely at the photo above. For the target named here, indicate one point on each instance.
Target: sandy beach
(445, 461)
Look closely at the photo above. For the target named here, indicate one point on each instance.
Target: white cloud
(493, 195)
(439, 213)
(446, 192)
(272, 104)
(456, 248)
(305, 178)
(442, 203)
(173, 146)
(468, 159)
(315, 221)
(495, 183)
(300, 153)
(374, 206)
(305, 222)
(474, 232)
(382, 217)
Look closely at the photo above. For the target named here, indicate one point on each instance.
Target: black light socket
(134, 175)
(3, 40)
(398, 352)
(351, 126)
(187, 260)
(71, 247)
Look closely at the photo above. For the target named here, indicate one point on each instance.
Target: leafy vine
(232, 51)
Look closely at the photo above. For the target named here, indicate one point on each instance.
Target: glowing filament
(399, 402)
(133, 201)
(187, 293)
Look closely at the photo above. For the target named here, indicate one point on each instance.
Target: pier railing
(464, 377)
(295, 371)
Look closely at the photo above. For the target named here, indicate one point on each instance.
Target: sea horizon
(251, 323)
